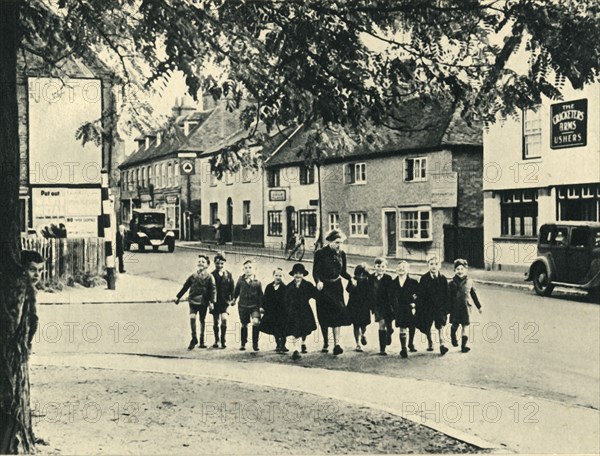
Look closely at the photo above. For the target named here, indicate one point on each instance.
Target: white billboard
(57, 108)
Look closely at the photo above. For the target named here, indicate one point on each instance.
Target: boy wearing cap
(462, 292)
(403, 296)
(248, 293)
(301, 321)
(225, 286)
(202, 295)
(434, 304)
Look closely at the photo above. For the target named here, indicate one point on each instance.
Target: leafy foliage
(327, 64)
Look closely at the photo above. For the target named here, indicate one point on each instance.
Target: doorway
(390, 233)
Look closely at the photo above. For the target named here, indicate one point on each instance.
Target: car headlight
(142, 234)
(164, 230)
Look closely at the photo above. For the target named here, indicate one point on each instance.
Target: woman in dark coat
(359, 300)
(328, 269)
(274, 320)
(301, 321)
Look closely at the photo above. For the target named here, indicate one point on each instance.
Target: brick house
(418, 194)
(151, 176)
(542, 165)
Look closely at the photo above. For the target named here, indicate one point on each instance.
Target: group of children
(284, 311)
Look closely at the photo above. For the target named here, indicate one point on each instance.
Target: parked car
(568, 254)
(147, 229)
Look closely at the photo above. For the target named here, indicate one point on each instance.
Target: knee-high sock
(324, 333)
(382, 340)
(223, 332)
(403, 340)
(244, 335)
(216, 331)
(193, 327)
(255, 335)
(411, 335)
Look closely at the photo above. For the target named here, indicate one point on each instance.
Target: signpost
(568, 124)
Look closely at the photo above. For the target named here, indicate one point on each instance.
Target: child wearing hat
(379, 283)
(202, 295)
(274, 321)
(248, 293)
(225, 286)
(462, 292)
(403, 295)
(301, 321)
(358, 307)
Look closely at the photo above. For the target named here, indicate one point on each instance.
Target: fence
(68, 257)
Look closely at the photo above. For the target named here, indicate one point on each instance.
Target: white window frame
(358, 228)
(355, 173)
(421, 176)
(532, 133)
(420, 210)
(333, 221)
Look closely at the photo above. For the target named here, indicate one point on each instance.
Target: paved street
(543, 347)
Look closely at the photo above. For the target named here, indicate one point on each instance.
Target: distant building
(417, 194)
(541, 166)
(156, 175)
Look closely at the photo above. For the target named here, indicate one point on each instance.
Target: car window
(147, 219)
(559, 237)
(546, 234)
(579, 237)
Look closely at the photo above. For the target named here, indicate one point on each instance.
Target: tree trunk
(16, 433)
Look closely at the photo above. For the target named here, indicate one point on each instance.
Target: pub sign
(568, 124)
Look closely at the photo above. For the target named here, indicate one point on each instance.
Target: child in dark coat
(462, 291)
(434, 304)
(248, 293)
(225, 286)
(274, 321)
(301, 321)
(358, 304)
(379, 283)
(403, 296)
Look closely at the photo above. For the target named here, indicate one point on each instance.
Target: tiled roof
(169, 145)
(428, 126)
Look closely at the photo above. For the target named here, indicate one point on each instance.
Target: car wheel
(141, 248)
(541, 281)
(171, 246)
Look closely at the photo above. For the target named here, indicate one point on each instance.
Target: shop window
(307, 175)
(274, 225)
(246, 214)
(519, 211)
(358, 224)
(308, 222)
(355, 173)
(578, 203)
(415, 224)
(334, 221)
(415, 169)
(532, 133)
(143, 177)
(170, 181)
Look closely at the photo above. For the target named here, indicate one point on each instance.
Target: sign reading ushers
(568, 124)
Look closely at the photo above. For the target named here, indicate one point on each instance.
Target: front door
(390, 233)
(229, 230)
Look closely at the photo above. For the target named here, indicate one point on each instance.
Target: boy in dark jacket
(462, 291)
(203, 294)
(379, 283)
(433, 303)
(249, 293)
(225, 286)
(403, 296)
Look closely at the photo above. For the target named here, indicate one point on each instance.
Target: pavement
(490, 419)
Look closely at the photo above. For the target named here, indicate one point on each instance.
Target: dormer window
(147, 142)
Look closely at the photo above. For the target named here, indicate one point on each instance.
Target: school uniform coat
(462, 292)
(359, 307)
(329, 267)
(434, 304)
(274, 321)
(301, 321)
(225, 286)
(380, 297)
(401, 298)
